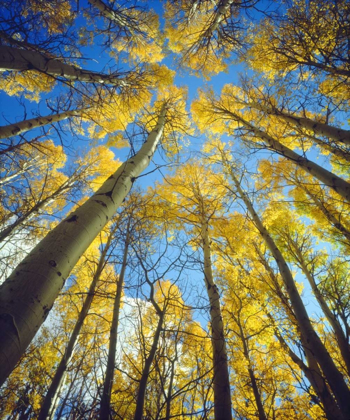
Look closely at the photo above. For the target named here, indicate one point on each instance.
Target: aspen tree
(50, 401)
(217, 113)
(310, 337)
(15, 59)
(205, 33)
(28, 295)
(32, 123)
(298, 253)
(113, 336)
(198, 204)
(318, 127)
(310, 199)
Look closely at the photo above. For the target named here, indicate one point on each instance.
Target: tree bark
(26, 125)
(315, 378)
(113, 337)
(140, 401)
(311, 339)
(15, 59)
(317, 127)
(257, 396)
(337, 329)
(327, 178)
(221, 380)
(48, 406)
(29, 293)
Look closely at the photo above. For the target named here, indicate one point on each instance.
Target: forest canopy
(174, 209)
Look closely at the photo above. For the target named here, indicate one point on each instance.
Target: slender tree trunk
(119, 18)
(317, 127)
(29, 293)
(221, 380)
(26, 125)
(113, 337)
(313, 342)
(316, 380)
(337, 329)
(328, 178)
(257, 396)
(221, 12)
(312, 370)
(170, 389)
(15, 59)
(140, 401)
(48, 406)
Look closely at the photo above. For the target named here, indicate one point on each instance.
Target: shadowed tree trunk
(221, 380)
(113, 337)
(15, 59)
(311, 340)
(26, 125)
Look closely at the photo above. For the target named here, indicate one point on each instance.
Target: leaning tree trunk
(113, 15)
(113, 337)
(331, 318)
(327, 178)
(48, 406)
(312, 340)
(26, 125)
(322, 129)
(253, 381)
(312, 370)
(29, 293)
(315, 378)
(15, 59)
(221, 380)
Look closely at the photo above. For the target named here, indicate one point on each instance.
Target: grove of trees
(169, 252)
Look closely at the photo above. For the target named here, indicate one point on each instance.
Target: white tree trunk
(221, 380)
(15, 59)
(327, 178)
(26, 125)
(28, 294)
(308, 334)
(317, 127)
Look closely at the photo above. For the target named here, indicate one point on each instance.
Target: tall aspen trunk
(140, 400)
(257, 396)
(311, 339)
(336, 327)
(15, 59)
(322, 129)
(29, 293)
(49, 405)
(113, 337)
(315, 378)
(311, 370)
(26, 125)
(113, 15)
(327, 178)
(221, 380)
(220, 14)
